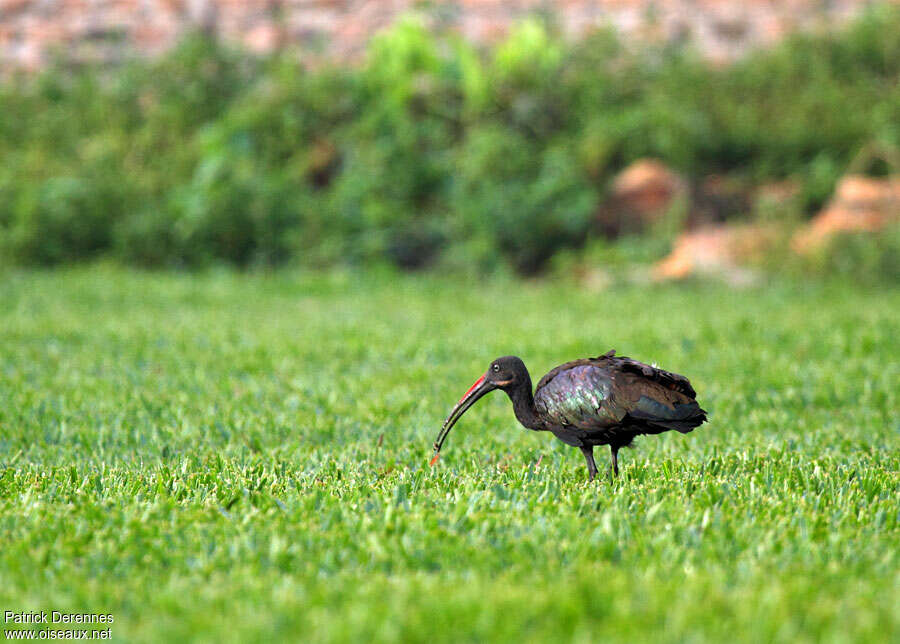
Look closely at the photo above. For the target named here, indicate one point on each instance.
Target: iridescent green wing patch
(579, 397)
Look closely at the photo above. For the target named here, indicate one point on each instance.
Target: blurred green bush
(428, 153)
(863, 257)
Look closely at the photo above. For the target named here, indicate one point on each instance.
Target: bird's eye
(495, 368)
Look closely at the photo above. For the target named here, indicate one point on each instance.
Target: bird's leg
(588, 452)
(615, 458)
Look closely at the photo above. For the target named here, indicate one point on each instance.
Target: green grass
(244, 457)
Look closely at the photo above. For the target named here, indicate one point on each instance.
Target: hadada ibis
(607, 400)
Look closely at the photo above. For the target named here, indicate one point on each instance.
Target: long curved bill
(476, 391)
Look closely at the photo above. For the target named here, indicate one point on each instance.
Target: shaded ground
(202, 457)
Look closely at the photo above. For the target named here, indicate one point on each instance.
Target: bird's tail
(684, 419)
(694, 416)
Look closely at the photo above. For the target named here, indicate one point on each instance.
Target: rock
(641, 194)
(718, 249)
(859, 204)
(722, 31)
(263, 38)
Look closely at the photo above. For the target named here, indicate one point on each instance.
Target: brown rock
(715, 249)
(859, 204)
(263, 38)
(641, 194)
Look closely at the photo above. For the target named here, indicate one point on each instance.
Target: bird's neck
(523, 405)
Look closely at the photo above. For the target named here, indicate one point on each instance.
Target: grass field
(240, 457)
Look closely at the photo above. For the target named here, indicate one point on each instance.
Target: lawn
(226, 457)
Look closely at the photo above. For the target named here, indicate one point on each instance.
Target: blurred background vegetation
(432, 153)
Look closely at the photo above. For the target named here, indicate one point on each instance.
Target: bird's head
(505, 373)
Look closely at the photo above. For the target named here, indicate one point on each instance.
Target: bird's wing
(667, 379)
(550, 375)
(653, 405)
(578, 395)
(610, 360)
(596, 393)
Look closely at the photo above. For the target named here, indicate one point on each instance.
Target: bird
(607, 400)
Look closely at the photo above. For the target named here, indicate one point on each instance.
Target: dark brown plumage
(607, 400)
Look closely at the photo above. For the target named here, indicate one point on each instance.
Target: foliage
(865, 257)
(527, 201)
(428, 152)
(244, 457)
